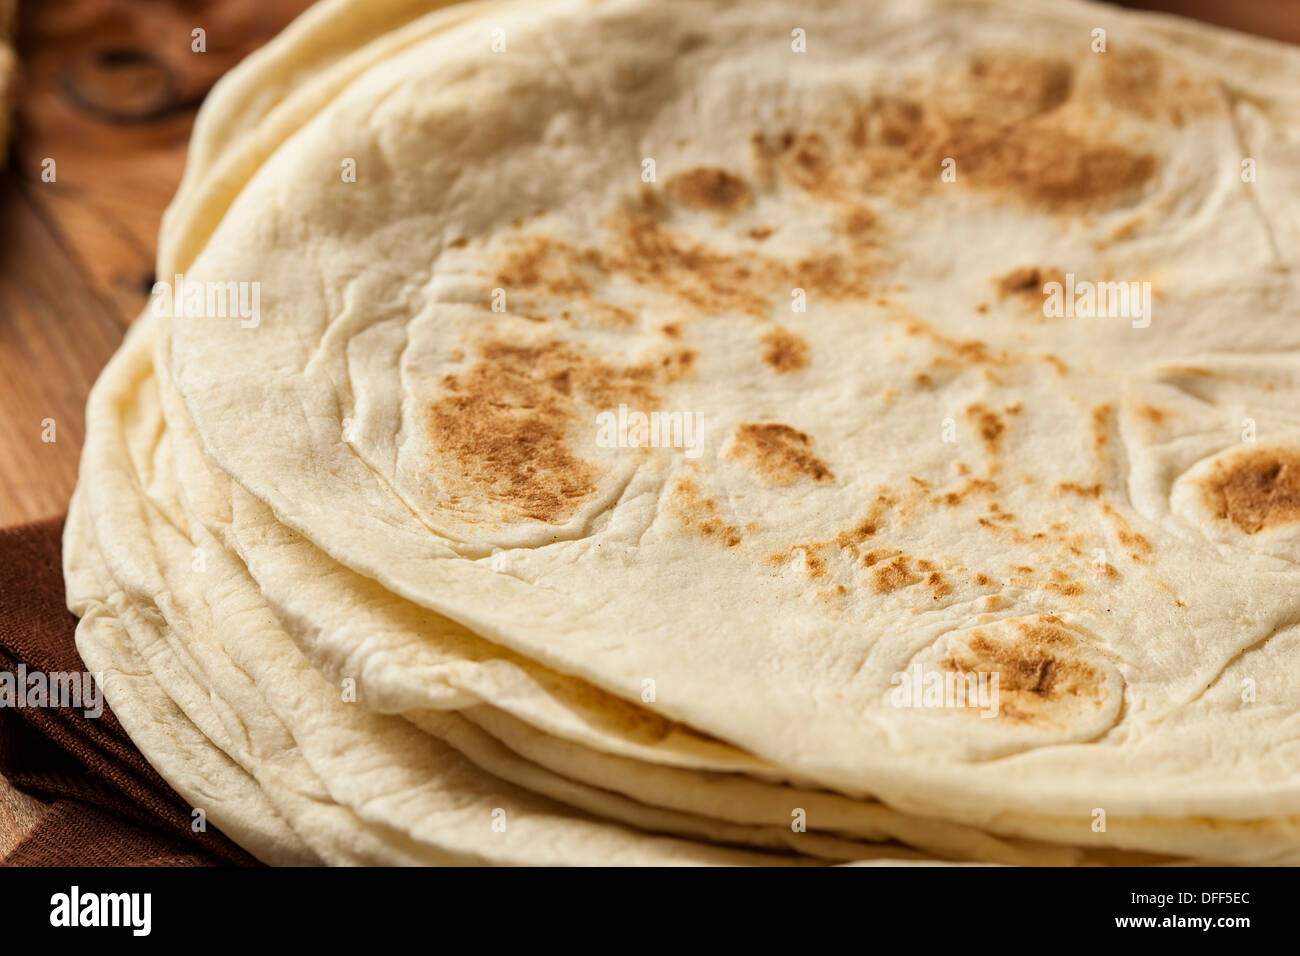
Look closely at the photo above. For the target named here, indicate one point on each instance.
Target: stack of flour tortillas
(641, 432)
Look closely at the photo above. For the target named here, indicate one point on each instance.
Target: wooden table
(109, 92)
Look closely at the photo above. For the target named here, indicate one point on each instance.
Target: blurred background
(108, 90)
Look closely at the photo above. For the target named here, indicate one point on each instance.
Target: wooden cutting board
(109, 92)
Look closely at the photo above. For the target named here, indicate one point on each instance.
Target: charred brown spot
(1075, 488)
(1011, 125)
(876, 555)
(1101, 426)
(785, 352)
(833, 275)
(1152, 414)
(989, 425)
(545, 264)
(640, 247)
(1027, 283)
(859, 221)
(1139, 547)
(677, 364)
(939, 585)
(892, 575)
(648, 253)
(781, 453)
(1257, 489)
(965, 352)
(1061, 583)
(813, 563)
(709, 187)
(1041, 670)
(1141, 81)
(501, 429)
(807, 162)
(699, 513)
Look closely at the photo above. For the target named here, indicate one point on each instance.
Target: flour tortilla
(197, 602)
(746, 642)
(415, 659)
(720, 796)
(249, 114)
(400, 793)
(201, 772)
(254, 108)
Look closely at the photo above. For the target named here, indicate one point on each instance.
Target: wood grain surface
(108, 92)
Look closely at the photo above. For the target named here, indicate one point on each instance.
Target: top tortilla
(1137, 570)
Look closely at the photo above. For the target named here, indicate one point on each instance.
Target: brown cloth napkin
(108, 807)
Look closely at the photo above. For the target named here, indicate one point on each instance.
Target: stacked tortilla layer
(368, 582)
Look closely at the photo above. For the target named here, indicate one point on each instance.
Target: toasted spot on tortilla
(1061, 583)
(1075, 488)
(804, 556)
(965, 352)
(939, 586)
(1026, 283)
(1257, 489)
(781, 453)
(650, 254)
(889, 576)
(867, 527)
(544, 263)
(708, 187)
(1056, 168)
(677, 364)
(1139, 547)
(1152, 414)
(1101, 426)
(833, 275)
(859, 221)
(786, 352)
(501, 429)
(969, 488)
(806, 161)
(1011, 125)
(1043, 674)
(989, 424)
(701, 514)
(876, 555)
(1141, 81)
